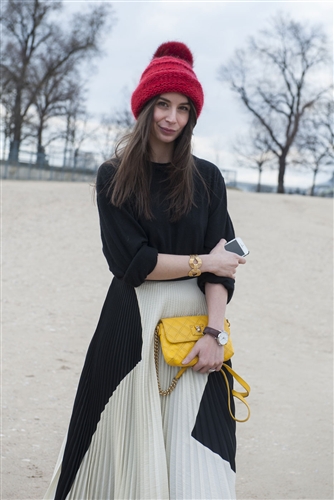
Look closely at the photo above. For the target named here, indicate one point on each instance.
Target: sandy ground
(54, 282)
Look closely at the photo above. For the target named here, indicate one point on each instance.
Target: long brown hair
(134, 168)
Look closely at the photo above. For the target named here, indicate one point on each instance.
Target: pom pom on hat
(175, 49)
(171, 70)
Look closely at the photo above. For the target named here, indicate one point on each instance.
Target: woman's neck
(161, 153)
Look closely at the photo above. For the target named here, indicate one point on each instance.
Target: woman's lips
(167, 130)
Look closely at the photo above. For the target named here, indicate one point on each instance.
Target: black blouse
(131, 243)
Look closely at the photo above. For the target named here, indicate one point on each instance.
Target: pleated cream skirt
(143, 447)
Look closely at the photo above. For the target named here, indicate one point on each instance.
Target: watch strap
(211, 331)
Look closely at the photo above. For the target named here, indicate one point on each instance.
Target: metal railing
(40, 166)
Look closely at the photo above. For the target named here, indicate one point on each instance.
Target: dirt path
(54, 282)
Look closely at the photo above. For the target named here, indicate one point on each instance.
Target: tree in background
(37, 47)
(274, 77)
(52, 101)
(75, 110)
(254, 152)
(114, 126)
(20, 39)
(315, 141)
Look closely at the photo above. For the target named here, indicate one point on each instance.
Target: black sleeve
(219, 226)
(124, 241)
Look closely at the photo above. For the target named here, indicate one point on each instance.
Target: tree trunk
(76, 155)
(13, 155)
(39, 135)
(258, 189)
(6, 133)
(40, 157)
(281, 172)
(66, 141)
(16, 141)
(315, 171)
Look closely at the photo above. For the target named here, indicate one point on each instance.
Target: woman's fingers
(193, 353)
(220, 247)
(210, 355)
(229, 263)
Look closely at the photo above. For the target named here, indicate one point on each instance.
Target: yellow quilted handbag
(177, 337)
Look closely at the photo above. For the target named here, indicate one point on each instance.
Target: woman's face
(171, 115)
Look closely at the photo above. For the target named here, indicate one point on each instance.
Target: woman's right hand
(222, 262)
(219, 262)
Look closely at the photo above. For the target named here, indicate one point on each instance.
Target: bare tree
(274, 79)
(25, 31)
(254, 152)
(315, 140)
(106, 137)
(74, 111)
(37, 46)
(114, 126)
(52, 101)
(82, 131)
(28, 129)
(123, 121)
(5, 127)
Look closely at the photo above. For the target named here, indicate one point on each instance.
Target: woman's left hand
(210, 355)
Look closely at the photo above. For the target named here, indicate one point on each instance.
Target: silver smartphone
(237, 246)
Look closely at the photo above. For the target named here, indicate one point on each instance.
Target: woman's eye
(162, 103)
(184, 108)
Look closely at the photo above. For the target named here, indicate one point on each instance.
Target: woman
(158, 205)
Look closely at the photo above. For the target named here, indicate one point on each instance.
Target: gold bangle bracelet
(195, 263)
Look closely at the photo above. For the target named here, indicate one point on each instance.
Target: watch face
(222, 338)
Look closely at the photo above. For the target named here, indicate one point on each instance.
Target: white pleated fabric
(142, 448)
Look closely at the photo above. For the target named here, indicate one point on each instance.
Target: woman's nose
(171, 117)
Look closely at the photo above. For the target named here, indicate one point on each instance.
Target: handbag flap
(184, 328)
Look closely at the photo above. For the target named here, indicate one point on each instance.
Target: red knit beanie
(169, 71)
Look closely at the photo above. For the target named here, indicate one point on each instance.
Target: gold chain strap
(239, 395)
(156, 360)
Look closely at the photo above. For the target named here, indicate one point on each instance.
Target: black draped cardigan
(131, 243)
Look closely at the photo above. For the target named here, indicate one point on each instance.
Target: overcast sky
(212, 30)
